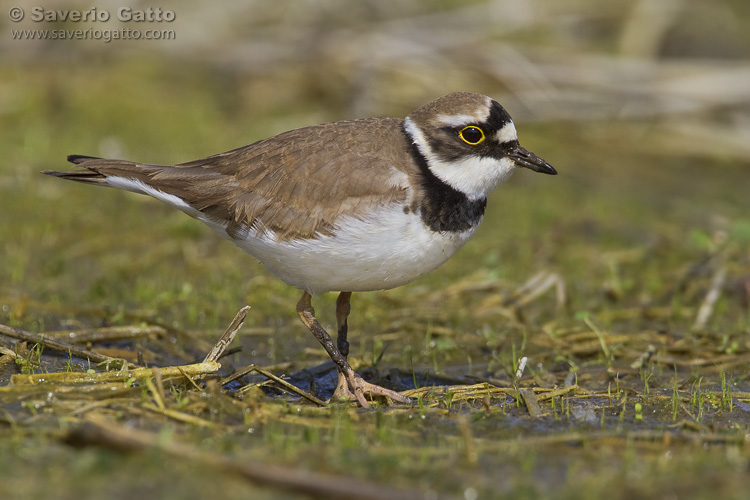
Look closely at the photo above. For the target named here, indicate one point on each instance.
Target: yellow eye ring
(471, 134)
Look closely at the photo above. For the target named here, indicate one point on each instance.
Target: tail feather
(189, 188)
(81, 158)
(96, 170)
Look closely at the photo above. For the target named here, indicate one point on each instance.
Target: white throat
(474, 176)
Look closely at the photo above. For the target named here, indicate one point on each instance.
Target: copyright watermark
(16, 14)
(89, 24)
(94, 14)
(103, 35)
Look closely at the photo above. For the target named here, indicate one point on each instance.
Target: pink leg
(349, 383)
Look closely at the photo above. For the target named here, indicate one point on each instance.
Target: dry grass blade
(433, 395)
(9, 394)
(7, 352)
(179, 416)
(249, 369)
(543, 396)
(119, 438)
(599, 335)
(536, 286)
(157, 389)
(532, 404)
(713, 294)
(190, 371)
(105, 334)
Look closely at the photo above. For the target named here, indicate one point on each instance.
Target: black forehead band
(498, 117)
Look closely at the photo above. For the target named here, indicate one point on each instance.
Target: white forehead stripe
(507, 133)
(460, 120)
(481, 115)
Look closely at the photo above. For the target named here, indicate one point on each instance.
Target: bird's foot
(353, 387)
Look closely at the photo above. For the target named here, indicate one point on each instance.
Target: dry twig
(319, 485)
(286, 385)
(228, 336)
(57, 345)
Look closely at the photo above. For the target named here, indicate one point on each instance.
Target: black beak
(529, 160)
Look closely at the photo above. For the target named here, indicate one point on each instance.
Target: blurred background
(642, 106)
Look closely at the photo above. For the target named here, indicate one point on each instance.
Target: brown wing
(295, 184)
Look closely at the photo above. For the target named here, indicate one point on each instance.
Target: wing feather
(295, 184)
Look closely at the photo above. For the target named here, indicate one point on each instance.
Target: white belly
(387, 249)
(384, 250)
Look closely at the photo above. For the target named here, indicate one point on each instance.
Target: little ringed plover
(350, 206)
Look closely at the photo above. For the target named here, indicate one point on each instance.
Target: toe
(362, 388)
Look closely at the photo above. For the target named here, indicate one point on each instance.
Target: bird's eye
(471, 135)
